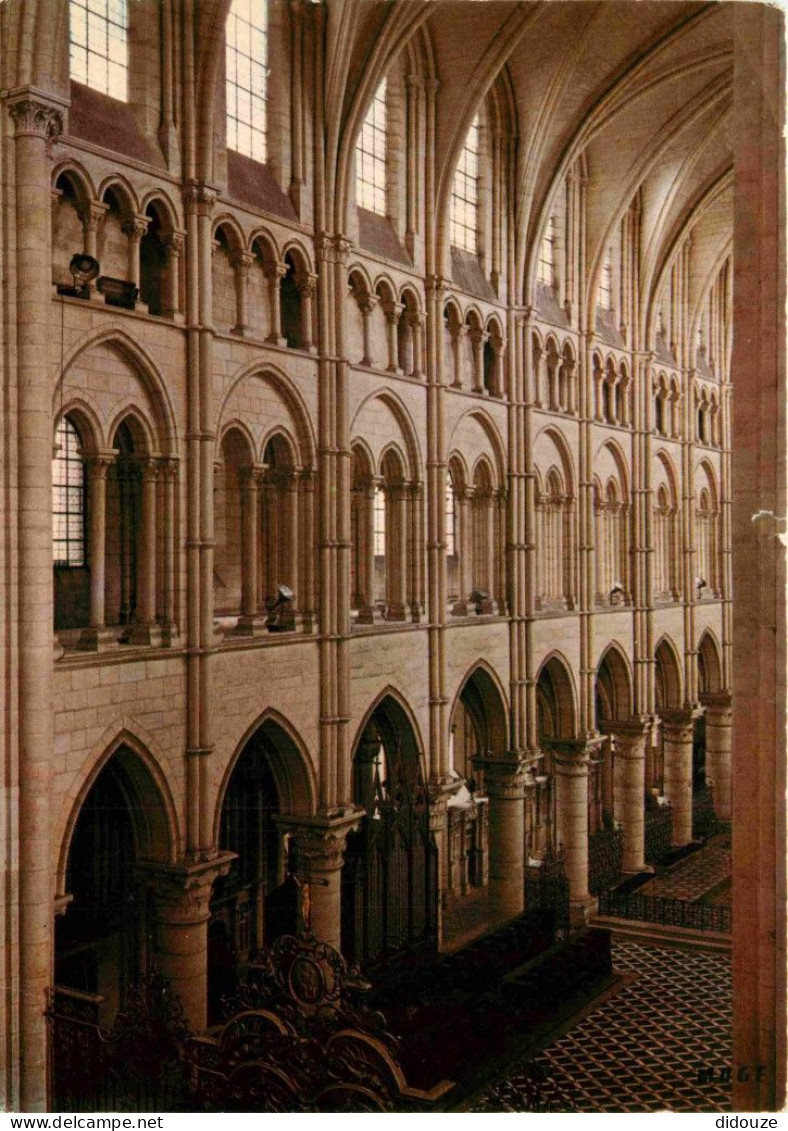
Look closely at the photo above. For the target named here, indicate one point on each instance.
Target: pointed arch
(290, 764)
(142, 763)
(403, 417)
(668, 674)
(613, 685)
(556, 698)
(710, 678)
(481, 692)
(386, 697)
(115, 336)
(490, 428)
(290, 395)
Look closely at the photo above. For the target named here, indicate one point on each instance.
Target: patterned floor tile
(644, 1049)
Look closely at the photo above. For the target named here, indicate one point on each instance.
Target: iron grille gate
(137, 1065)
(390, 877)
(297, 1036)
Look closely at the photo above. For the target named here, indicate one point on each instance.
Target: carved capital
(678, 725)
(241, 262)
(183, 891)
(320, 842)
(392, 310)
(307, 285)
(175, 244)
(33, 117)
(98, 463)
(91, 213)
(136, 227)
(504, 777)
(199, 198)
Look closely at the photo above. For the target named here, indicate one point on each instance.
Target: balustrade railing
(666, 911)
(605, 855)
(658, 833)
(705, 822)
(547, 888)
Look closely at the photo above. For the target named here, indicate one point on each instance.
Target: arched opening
(69, 214)
(279, 525)
(667, 678)
(296, 293)
(555, 705)
(235, 489)
(70, 527)
(709, 666)
(478, 723)
(255, 903)
(124, 506)
(153, 264)
(102, 941)
(390, 874)
(613, 703)
(667, 696)
(391, 536)
(113, 242)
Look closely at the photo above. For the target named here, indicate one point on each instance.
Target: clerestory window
(98, 45)
(546, 268)
(246, 74)
(464, 207)
(605, 299)
(371, 156)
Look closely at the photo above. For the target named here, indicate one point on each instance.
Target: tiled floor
(693, 877)
(647, 1048)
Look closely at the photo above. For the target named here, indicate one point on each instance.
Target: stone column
(367, 305)
(414, 555)
(241, 262)
(416, 323)
(36, 124)
(135, 228)
(462, 501)
(250, 623)
(719, 720)
(175, 244)
(499, 591)
(478, 338)
(457, 337)
(146, 629)
(275, 272)
(367, 565)
(320, 854)
(306, 526)
(307, 286)
(677, 727)
(97, 637)
(570, 762)
(397, 551)
(169, 476)
(182, 898)
(392, 310)
(629, 789)
(92, 214)
(290, 491)
(505, 779)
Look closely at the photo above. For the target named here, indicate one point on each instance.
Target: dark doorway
(390, 876)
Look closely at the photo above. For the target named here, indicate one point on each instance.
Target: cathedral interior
(392, 462)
